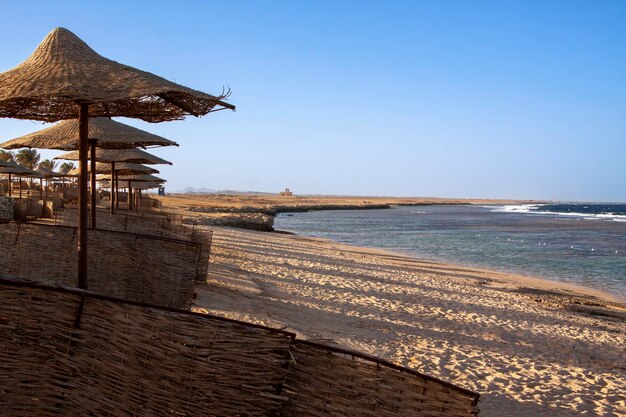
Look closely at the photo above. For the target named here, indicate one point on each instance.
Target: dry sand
(526, 351)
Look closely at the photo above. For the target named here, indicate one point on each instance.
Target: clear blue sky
(452, 99)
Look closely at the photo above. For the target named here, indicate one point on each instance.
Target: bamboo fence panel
(153, 224)
(126, 265)
(325, 381)
(74, 353)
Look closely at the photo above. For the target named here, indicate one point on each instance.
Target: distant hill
(192, 190)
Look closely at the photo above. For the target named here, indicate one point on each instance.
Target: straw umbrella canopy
(133, 181)
(11, 168)
(103, 133)
(105, 181)
(43, 173)
(107, 133)
(48, 173)
(113, 156)
(121, 168)
(65, 79)
(147, 185)
(136, 156)
(136, 178)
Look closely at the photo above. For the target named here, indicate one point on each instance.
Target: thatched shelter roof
(64, 71)
(122, 168)
(108, 134)
(136, 156)
(134, 178)
(46, 173)
(147, 185)
(10, 167)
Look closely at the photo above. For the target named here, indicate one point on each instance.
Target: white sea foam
(533, 209)
(516, 208)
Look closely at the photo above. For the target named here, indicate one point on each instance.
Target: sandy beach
(529, 347)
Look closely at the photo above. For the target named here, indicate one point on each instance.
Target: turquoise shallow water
(579, 249)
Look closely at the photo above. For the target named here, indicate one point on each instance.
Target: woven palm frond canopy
(10, 167)
(122, 168)
(105, 183)
(106, 132)
(65, 79)
(64, 70)
(136, 156)
(147, 185)
(135, 178)
(48, 173)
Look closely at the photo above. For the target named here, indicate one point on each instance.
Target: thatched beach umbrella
(103, 133)
(136, 156)
(147, 185)
(47, 174)
(43, 173)
(134, 182)
(120, 155)
(136, 178)
(65, 79)
(119, 168)
(122, 168)
(11, 168)
(107, 133)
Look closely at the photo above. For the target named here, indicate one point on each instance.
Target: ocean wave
(536, 209)
(515, 208)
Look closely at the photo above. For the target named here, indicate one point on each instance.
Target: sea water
(583, 244)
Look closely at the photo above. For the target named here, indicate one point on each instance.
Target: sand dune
(523, 350)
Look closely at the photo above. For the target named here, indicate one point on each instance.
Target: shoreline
(257, 212)
(529, 351)
(513, 278)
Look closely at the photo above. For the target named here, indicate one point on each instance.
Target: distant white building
(286, 193)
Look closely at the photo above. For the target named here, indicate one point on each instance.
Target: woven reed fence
(326, 381)
(70, 352)
(32, 207)
(128, 265)
(152, 224)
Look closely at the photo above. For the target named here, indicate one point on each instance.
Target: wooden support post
(112, 197)
(117, 192)
(92, 161)
(83, 150)
(130, 199)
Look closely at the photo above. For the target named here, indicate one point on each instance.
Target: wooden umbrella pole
(10, 184)
(130, 200)
(92, 161)
(112, 197)
(41, 188)
(20, 185)
(83, 150)
(117, 193)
